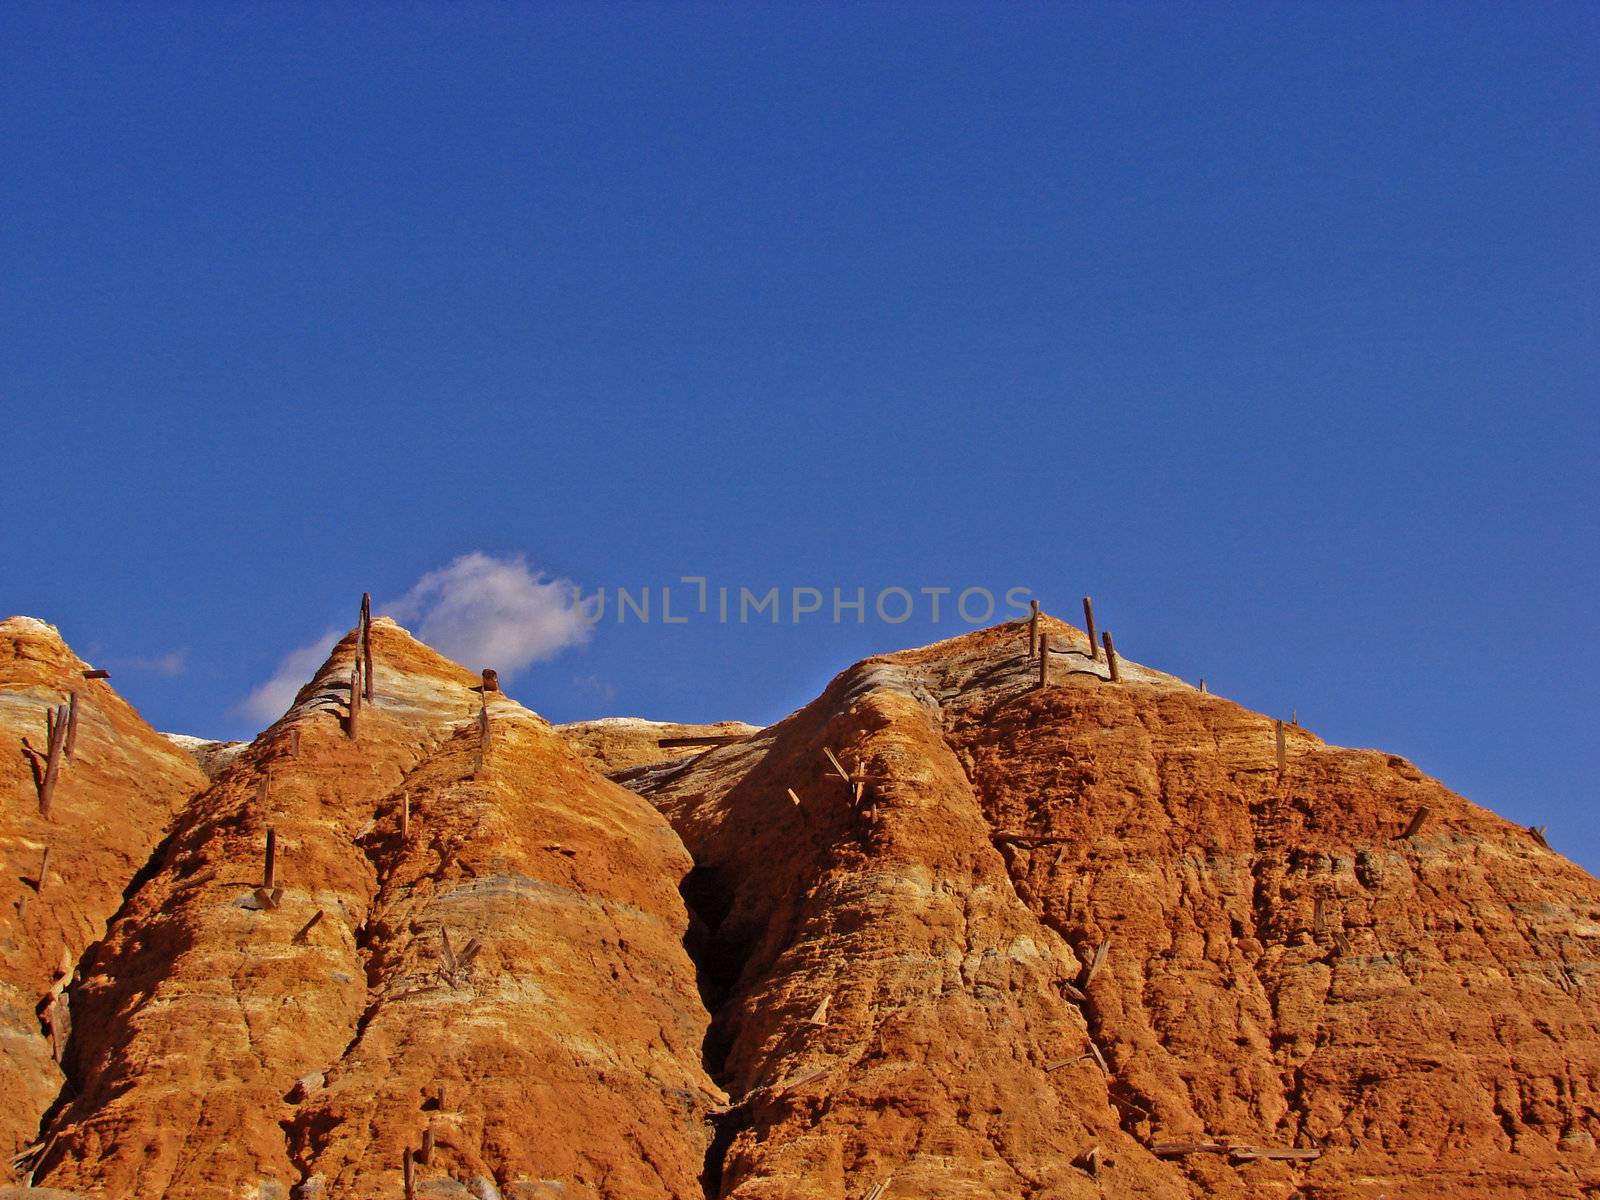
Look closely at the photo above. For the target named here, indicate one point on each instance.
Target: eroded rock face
(1091, 939)
(114, 798)
(212, 1004)
(1283, 969)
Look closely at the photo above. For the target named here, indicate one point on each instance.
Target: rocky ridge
(941, 933)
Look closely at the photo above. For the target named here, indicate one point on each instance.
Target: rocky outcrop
(64, 876)
(1099, 916)
(615, 744)
(243, 1038)
(941, 933)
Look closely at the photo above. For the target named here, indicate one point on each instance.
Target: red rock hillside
(113, 798)
(946, 933)
(1092, 939)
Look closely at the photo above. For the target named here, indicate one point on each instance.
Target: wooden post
(1416, 822)
(1202, 685)
(355, 699)
(1088, 620)
(409, 1174)
(1111, 655)
(491, 680)
(97, 674)
(1044, 660)
(366, 641)
(72, 724)
(1033, 627)
(425, 1155)
(269, 876)
(44, 865)
(405, 817)
(1282, 745)
(56, 724)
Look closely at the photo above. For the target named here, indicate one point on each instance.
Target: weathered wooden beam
(44, 865)
(366, 642)
(1088, 622)
(1033, 627)
(408, 1174)
(1202, 684)
(56, 723)
(1418, 819)
(97, 674)
(1095, 962)
(269, 872)
(72, 725)
(1111, 656)
(819, 1017)
(305, 930)
(425, 1155)
(1179, 1149)
(405, 817)
(1285, 1154)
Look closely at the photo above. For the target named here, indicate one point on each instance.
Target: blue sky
(1272, 327)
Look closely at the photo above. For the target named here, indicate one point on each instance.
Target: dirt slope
(114, 799)
(1428, 1028)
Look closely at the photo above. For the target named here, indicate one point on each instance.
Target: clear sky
(1271, 326)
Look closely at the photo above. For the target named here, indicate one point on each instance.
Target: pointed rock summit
(115, 788)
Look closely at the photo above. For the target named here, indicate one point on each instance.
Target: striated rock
(114, 799)
(1037, 881)
(615, 744)
(201, 1015)
(943, 934)
(211, 757)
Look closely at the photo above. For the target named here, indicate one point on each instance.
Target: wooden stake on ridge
(56, 725)
(1111, 656)
(72, 724)
(269, 873)
(366, 642)
(1033, 627)
(1088, 620)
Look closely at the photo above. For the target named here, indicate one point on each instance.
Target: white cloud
(273, 698)
(484, 611)
(165, 665)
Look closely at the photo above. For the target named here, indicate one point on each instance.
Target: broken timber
(366, 642)
(56, 726)
(1417, 822)
(1088, 621)
(1111, 656)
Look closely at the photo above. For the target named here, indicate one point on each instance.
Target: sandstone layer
(114, 797)
(943, 933)
(613, 744)
(236, 1041)
(1069, 933)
